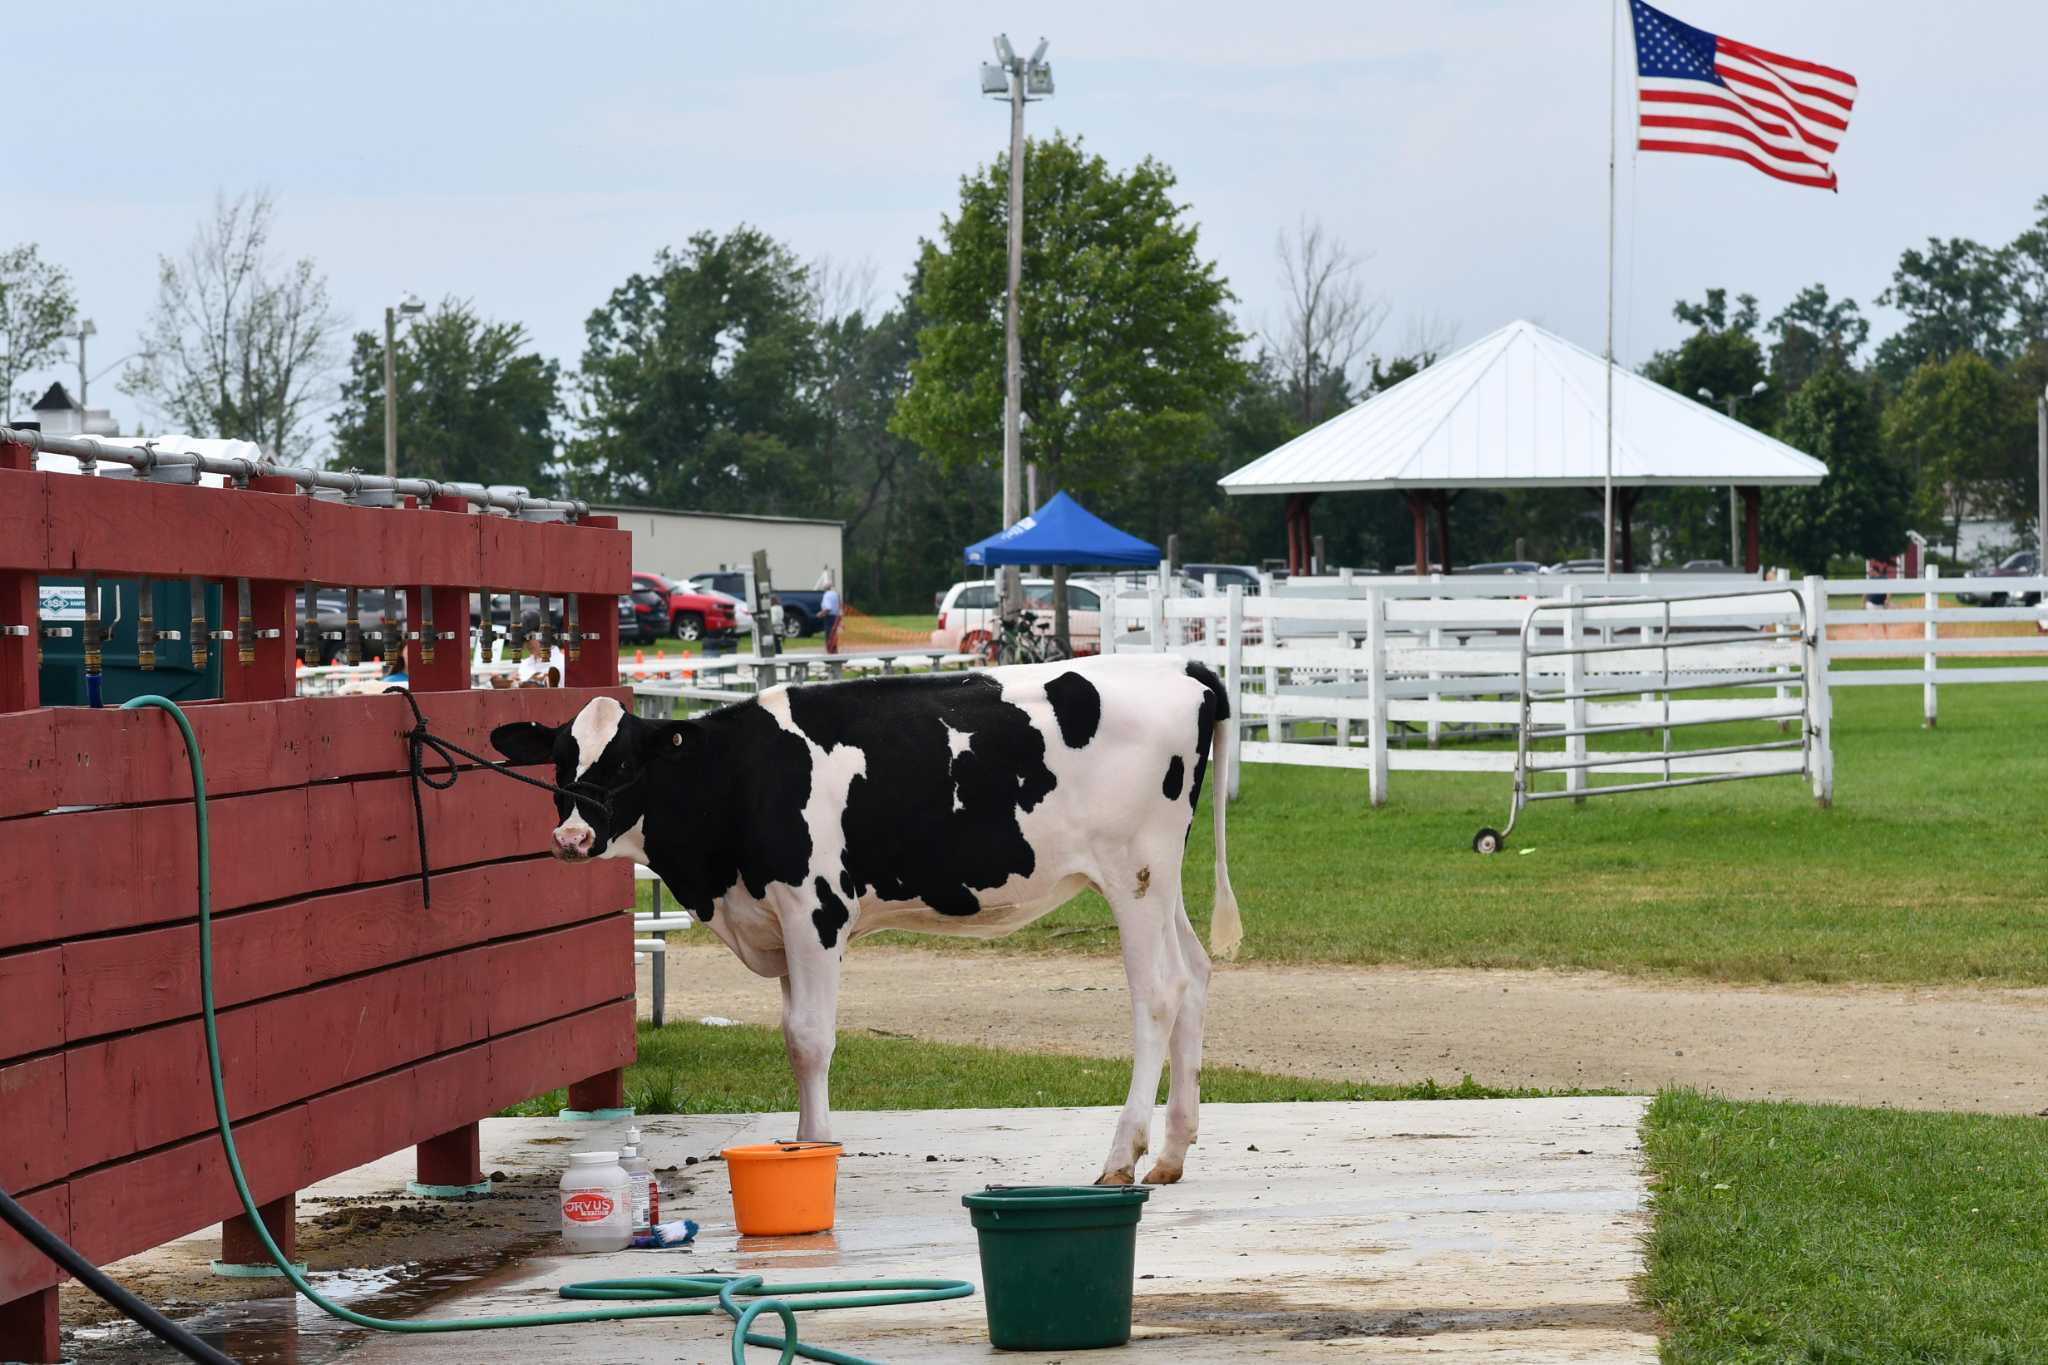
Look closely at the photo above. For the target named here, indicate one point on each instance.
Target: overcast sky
(530, 156)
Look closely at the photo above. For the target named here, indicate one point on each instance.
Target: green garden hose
(725, 1289)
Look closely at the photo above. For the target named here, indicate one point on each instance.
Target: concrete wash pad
(1486, 1230)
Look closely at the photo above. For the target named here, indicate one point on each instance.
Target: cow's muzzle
(572, 844)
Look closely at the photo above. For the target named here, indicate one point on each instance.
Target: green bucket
(1056, 1263)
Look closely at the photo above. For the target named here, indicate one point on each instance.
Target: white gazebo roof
(1523, 408)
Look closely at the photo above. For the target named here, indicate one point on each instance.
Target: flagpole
(1607, 477)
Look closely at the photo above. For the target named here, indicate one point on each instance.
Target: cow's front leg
(1158, 981)
(810, 1023)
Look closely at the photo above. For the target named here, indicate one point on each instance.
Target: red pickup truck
(664, 608)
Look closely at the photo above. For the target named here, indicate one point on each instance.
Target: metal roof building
(1519, 408)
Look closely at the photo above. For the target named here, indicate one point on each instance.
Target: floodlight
(411, 303)
(994, 80)
(1706, 393)
(1038, 53)
(1759, 387)
(1005, 54)
(1038, 80)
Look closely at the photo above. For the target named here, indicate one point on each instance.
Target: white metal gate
(1759, 660)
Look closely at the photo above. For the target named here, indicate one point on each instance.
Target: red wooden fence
(354, 1022)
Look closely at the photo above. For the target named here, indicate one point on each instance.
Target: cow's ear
(524, 741)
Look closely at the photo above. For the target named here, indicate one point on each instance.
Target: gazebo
(1520, 408)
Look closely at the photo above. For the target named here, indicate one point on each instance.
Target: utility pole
(409, 307)
(2041, 483)
(1729, 403)
(85, 329)
(1013, 362)
(1019, 79)
(390, 394)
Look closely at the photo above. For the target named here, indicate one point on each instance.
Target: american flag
(1699, 92)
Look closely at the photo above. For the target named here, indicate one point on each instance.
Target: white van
(968, 614)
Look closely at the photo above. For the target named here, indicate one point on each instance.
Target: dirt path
(1934, 1048)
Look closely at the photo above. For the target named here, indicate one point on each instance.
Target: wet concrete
(1456, 1230)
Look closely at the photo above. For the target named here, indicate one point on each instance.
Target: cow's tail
(1226, 928)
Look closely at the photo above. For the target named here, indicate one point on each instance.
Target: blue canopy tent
(1063, 532)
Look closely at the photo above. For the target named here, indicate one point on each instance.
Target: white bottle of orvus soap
(596, 1203)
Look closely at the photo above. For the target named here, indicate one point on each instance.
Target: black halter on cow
(966, 803)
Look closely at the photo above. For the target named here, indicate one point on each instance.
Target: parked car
(1226, 575)
(802, 608)
(1705, 566)
(1579, 566)
(644, 612)
(969, 614)
(1504, 566)
(1408, 570)
(2020, 564)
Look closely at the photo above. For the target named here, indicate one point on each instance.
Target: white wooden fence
(1377, 673)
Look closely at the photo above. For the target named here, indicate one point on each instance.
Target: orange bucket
(782, 1189)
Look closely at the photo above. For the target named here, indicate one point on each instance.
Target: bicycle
(1023, 639)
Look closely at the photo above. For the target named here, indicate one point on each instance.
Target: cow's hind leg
(1184, 1092)
(1158, 980)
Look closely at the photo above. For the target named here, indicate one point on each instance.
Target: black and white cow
(962, 803)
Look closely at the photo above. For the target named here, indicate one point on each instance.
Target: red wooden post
(598, 665)
(1752, 510)
(450, 670)
(240, 1245)
(450, 1164)
(1418, 509)
(1443, 528)
(18, 690)
(28, 1329)
(605, 1090)
(274, 675)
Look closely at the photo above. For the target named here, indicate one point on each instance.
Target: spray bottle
(646, 1194)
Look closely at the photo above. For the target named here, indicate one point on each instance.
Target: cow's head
(606, 755)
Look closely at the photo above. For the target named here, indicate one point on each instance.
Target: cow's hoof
(1162, 1174)
(1114, 1178)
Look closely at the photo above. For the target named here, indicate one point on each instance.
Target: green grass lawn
(1931, 866)
(1790, 1232)
(688, 1068)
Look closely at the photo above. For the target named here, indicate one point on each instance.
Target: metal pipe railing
(146, 457)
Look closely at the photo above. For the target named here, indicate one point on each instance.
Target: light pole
(408, 307)
(85, 329)
(1734, 528)
(1018, 80)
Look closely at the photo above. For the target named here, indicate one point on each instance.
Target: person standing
(829, 608)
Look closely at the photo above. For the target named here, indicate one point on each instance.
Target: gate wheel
(1487, 841)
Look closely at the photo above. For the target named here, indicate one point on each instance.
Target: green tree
(698, 381)
(1859, 509)
(1122, 326)
(238, 345)
(1721, 357)
(1963, 429)
(2028, 256)
(1813, 332)
(36, 309)
(1721, 361)
(475, 405)
(1957, 296)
